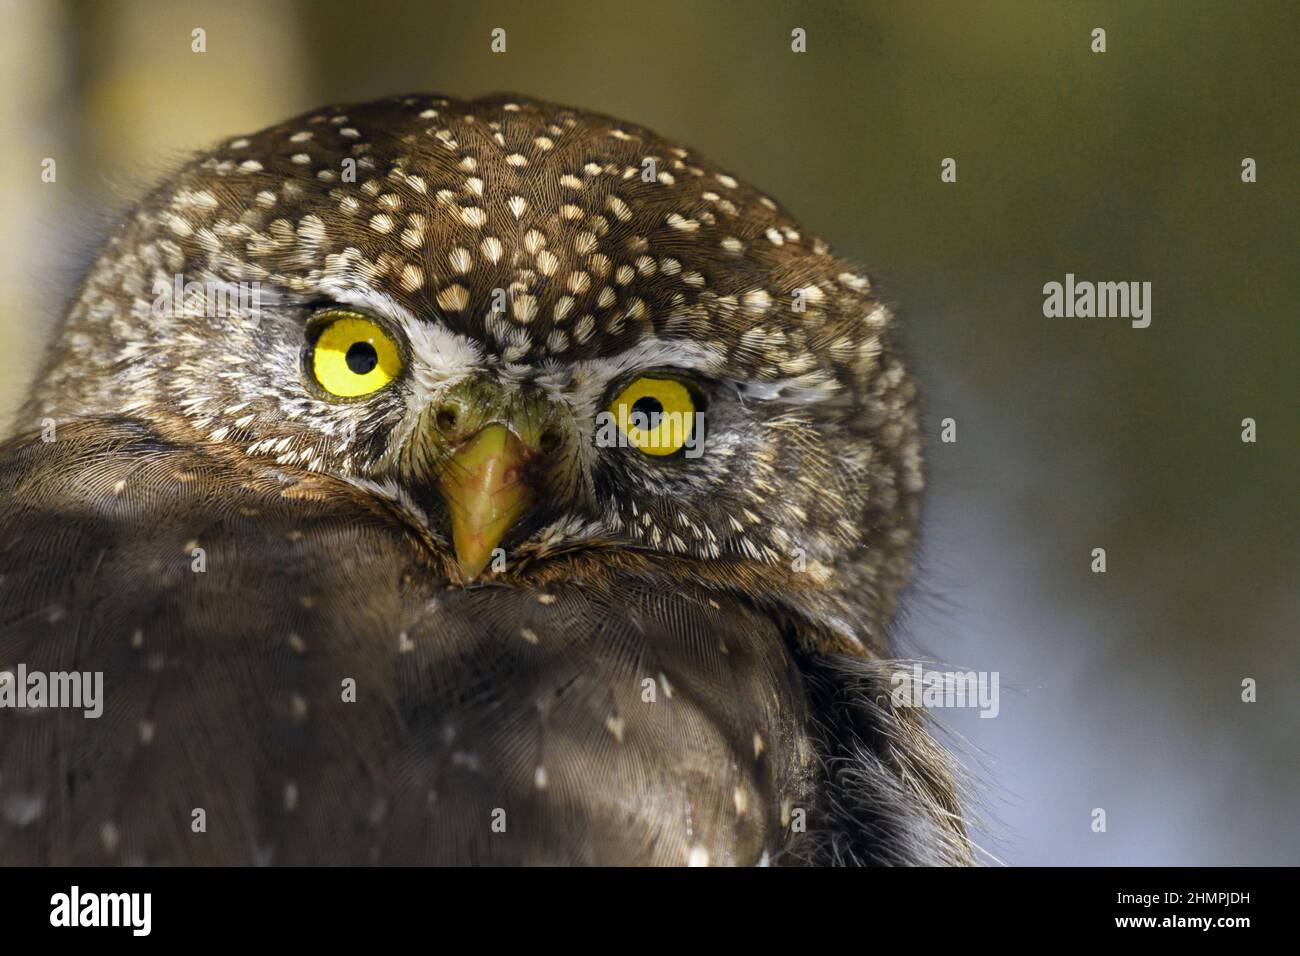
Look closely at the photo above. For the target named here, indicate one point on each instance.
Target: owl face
(533, 328)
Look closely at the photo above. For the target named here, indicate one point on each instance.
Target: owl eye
(656, 414)
(354, 356)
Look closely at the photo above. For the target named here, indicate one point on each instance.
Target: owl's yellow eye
(354, 356)
(656, 414)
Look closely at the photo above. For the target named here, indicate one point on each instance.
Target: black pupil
(651, 408)
(362, 357)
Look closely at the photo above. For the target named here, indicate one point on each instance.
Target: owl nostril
(446, 418)
(550, 441)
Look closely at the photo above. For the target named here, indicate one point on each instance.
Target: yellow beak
(486, 493)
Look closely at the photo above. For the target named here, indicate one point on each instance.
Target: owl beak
(486, 490)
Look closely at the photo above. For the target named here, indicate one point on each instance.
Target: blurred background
(1119, 691)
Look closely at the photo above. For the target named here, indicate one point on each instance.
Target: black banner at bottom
(555, 907)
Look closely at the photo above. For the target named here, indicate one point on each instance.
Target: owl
(459, 482)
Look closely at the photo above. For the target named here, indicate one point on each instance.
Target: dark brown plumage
(681, 660)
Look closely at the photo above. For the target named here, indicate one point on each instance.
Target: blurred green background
(1121, 690)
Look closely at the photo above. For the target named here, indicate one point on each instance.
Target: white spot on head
(453, 298)
(524, 308)
(412, 278)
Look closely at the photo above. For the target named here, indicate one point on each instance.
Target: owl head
(547, 336)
